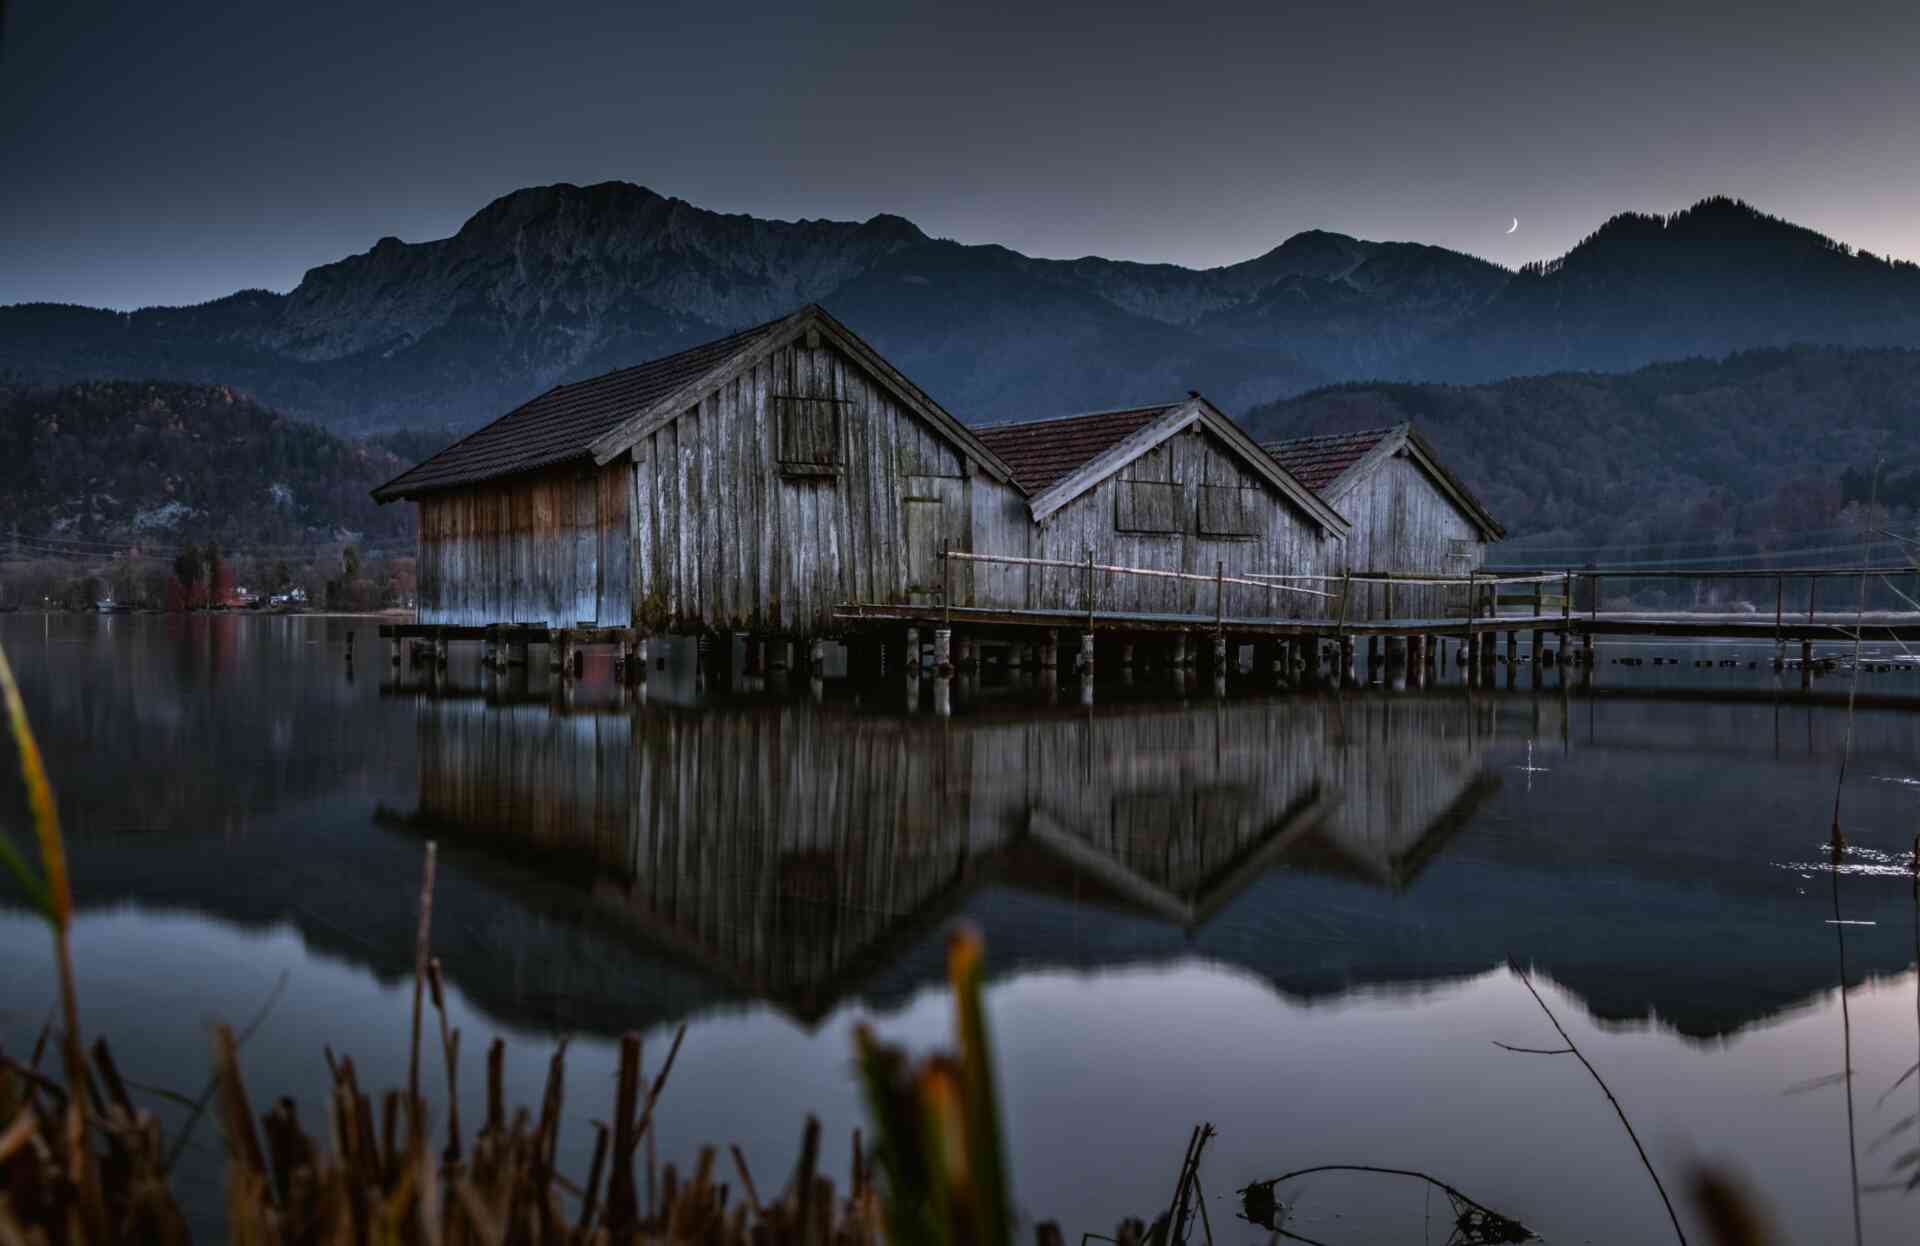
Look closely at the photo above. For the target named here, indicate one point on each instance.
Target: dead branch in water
(1573, 1049)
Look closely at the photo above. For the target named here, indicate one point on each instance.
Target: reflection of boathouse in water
(792, 852)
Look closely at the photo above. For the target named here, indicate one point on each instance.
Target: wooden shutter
(1148, 506)
(1228, 510)
(809, 435)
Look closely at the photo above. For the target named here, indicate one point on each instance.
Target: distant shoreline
(403, 614)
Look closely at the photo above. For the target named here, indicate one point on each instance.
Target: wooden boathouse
(749, 484)
(1174, 487)
(1410, 516)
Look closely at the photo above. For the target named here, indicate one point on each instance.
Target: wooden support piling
(1219, 654)
(1050, 651)
(1086, 654)
(943, 652)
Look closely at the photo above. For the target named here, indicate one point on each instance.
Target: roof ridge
(1358, 432)
(1079, 415)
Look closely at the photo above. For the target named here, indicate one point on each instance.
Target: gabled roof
(1318, 461)
(1058, 460)
(1333, 463)
(1040, 452)
(596, 419)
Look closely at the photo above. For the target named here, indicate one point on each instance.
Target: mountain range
(554, 283)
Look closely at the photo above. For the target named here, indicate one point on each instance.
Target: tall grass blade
(51, 889)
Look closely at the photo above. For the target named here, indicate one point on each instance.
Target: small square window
(809, 431)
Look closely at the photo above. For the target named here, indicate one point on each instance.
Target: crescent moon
(1514, 226)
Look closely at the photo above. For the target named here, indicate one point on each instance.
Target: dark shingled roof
(1318, 461)
(563, 423)
(1040, 452)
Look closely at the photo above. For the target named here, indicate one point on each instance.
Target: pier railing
(1482, 588)
(1592, 581)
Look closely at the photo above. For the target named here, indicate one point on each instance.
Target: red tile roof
(1040, 452)
(1318, 461)
(561, 424)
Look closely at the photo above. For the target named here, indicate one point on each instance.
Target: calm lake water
(1295, 916)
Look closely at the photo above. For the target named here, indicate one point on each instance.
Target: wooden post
(1219, 654)
(1806, 663)
(912, 663)
(393, 651)
(1513, 647)
(1089, 590)
(1812, 582)
(1126, 655)
(1373, 659)
(569, 657)
(943, 652)
(1050, 651)
(640, 658)
(1346, 660)
(1219, 593)
(1182, 656)
(1566, 614)
(1086, 653)
(817, 657)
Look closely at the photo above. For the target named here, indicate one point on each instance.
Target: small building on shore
(1409, 514)
(752, 483)
(1174, 486)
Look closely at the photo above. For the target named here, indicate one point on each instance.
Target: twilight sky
(172, 153)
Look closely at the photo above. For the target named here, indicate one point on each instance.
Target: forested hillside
(113, 463)
(1765, 450)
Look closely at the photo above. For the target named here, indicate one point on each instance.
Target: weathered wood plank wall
(1403, 522)
(797, 487)
(546, 547)
(1187, 505)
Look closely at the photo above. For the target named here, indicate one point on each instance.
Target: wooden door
(586, 545)
(926, 538)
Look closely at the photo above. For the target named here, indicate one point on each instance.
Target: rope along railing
(1088, 564)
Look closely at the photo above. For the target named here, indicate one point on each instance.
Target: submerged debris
(1474, 1223)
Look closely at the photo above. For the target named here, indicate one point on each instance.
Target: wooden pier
(1307, 635)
